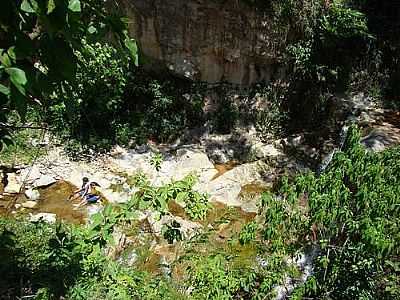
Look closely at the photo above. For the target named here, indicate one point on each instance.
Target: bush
(345, 211)
(271, 117)
(157, 198)
(133, 104)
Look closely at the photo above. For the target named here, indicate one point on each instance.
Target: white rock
(29, 175)
(44, 180)
(117, 151)
(29, 204)
(13, 186)
(226, 188)
(262, 150)
(46, 217)
(32, 194)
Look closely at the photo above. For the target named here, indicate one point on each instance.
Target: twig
(27, 126)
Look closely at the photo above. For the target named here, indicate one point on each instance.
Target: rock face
(207, 40)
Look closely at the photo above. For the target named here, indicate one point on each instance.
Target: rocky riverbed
(233, 170)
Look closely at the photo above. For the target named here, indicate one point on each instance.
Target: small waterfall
(328, 158)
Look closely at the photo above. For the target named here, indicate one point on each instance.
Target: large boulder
(187, 161)
(227, 187)
(188, 228)
(29, 175)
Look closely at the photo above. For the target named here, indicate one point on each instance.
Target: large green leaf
(29, 6)
(4, 90)
(18, 78)
(74, 5)
(50, 6)
(132, 48)
(5, 60)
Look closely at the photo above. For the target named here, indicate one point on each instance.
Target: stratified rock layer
(207, 40)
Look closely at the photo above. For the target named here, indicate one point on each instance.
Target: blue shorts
(92, 198)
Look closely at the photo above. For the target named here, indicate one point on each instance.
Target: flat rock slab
(44, 180)
(227, 187)
(29, 204)
(29, 175)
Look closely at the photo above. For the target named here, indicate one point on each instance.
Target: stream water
(53, 199)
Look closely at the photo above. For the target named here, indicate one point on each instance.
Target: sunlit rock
(29, 204)
(44, 180)
(13, 186)
(46, 217)
(32, 194)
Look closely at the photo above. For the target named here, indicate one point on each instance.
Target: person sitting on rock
(92, 196)
(83, 191)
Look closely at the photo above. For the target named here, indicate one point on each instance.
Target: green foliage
(24, 145)
(22, 151)
(157, 198)
(93, 98)
(248, 233)
(212, 279)
(229, 275)
(38, 255)
(38, 40)
(226, 117)
(271, 117)
(344, 22)
(52, 261)
(156, 161)
(171, 232)
(135, 106)
(346, 208)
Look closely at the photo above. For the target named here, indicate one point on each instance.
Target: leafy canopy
(37, 43)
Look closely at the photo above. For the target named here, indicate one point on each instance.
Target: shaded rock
(377, 141)
(261, 150)
(129, 259)
(4, 203)
(188, 228)
(207, 40)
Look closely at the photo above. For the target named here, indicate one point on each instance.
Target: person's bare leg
(82, 203)
(73, 198)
